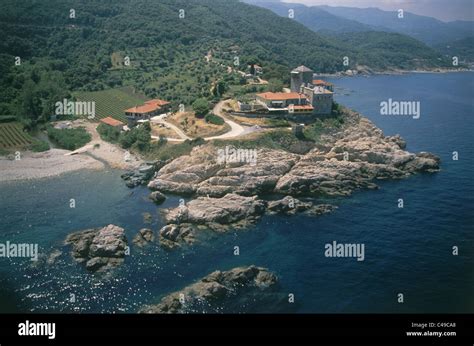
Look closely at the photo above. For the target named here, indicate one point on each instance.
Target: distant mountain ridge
(426, 29)
(350, 19)
(313, 17)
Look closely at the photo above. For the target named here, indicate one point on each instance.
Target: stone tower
(299, 76)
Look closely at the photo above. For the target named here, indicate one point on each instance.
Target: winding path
(236, 130)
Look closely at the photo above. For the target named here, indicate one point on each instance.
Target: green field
(112, 102)
(13, 136)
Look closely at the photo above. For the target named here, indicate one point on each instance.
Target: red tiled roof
(111, 121)
(157, 102)
(321, 82)
(148, 107)
(281, 96)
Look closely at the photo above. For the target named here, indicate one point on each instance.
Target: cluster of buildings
(147, 111)
(307, 96)
(139, 114)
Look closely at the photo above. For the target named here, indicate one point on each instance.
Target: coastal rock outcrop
(217, 214)
(291, 206)
(352, 159)
(222, 214)
(231, 209)
(217, 291)
(204, 173)
(347, 158)
(143, 174)
(100, 248)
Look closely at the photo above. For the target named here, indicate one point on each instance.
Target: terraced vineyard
(13, 136)
(112, 102)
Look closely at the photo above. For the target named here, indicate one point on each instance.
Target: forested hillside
(166, 42)
(391, 49)
(463, 49)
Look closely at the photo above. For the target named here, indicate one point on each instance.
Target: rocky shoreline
(218, 290)
(351, 158)
(232, 195)
(142, 174)
(367, 71)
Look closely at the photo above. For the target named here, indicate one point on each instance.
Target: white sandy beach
(57, 161)
(47, 164)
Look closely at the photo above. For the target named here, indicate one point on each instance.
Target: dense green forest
(463, 49)
(392, 50)
(67, 46)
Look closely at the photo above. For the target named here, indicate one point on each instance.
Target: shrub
(39, 146)
(70, 139)
(108, 133)
(7, 118)
(336, 109)
(163, 151)
(139, 135)
(214, 119)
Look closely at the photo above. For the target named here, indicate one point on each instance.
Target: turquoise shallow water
(406, 250)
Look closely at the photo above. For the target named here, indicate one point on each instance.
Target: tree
(127, 139)
(220, 88)
(143, 139)
(252, 60)
(252, 70)
(275, 85)
(201, 107)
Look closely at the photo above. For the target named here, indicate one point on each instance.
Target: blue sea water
(407, 250)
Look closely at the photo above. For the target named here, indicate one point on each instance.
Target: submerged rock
(53, 256)
(172, 236)
(288, 205)
(147, 217)
(292, 206)
(143, 237)
(240, 286)
(157, 197)
(100, 248)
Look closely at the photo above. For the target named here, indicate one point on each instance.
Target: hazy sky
(446, 10)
